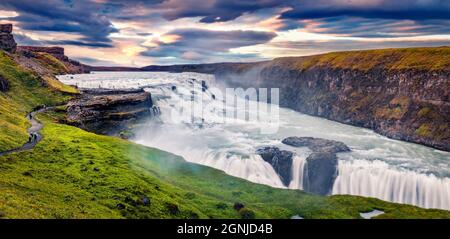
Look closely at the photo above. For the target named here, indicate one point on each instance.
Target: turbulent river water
(377, 166)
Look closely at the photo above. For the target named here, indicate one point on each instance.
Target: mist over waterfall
(377, 166)
(376, 179)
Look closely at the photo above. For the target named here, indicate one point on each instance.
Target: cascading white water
(378, 179)
(298, 168)
(377, 166)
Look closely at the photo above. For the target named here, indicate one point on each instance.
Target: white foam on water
(298, 168)
(378, 179)
(377, 166)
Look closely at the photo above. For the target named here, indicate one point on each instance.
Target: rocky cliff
(57, 52)
(321, 165)
(48, 60)
(7, 42)
(320, 169)
(401, 93)
(109, 111)
(281, 161)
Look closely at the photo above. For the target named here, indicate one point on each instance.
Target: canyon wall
(57, 52)
(8, 44)
(52, 60)
(109, 111)
(400, 93)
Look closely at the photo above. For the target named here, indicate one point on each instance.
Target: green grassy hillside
(75, 174)
(26, 92)
(433, 58)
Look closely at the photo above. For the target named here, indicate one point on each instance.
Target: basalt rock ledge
(109, 111)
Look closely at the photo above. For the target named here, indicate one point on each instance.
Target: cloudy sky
(139, 32)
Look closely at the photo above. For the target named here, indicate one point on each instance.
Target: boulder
(317, 144)
(238, 206)
(281, 161)
(4, 84)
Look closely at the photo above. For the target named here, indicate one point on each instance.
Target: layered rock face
(37, 58)
(281, 161)
(109, 112)
(28, 54)
(7, 42)
(57, 52)
(321, 168)
(401, 93)
(317, 145)
(321, 165)
(320, 173)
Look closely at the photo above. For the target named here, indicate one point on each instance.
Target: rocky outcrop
(57, 52)
(320, 173)
(321, 165)
(109, 112)
(48, 60)
(7, 42)
(281, 161)
(4, 84)
(317, 145)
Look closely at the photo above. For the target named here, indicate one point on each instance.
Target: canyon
(400, 93)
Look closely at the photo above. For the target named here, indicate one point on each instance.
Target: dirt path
(33, 131)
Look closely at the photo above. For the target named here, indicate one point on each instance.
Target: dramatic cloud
(215, 11)
(142, 32)
(378, 9)
(295, 48)
(62, 16)
(372, 28)
(198, 44)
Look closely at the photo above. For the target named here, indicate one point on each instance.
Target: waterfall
(377, 179)
(377, 167)
(298, 167)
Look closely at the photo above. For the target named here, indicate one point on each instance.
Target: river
(377, 166)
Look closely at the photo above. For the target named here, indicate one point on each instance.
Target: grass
(424, 130)
(76, 174)
(50, 62)
(433, 58)
(54, 83)
(26, 92)
(395, 110)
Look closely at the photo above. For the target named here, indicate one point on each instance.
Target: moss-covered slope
(427, 58)
(75, 174)
(25, 92)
